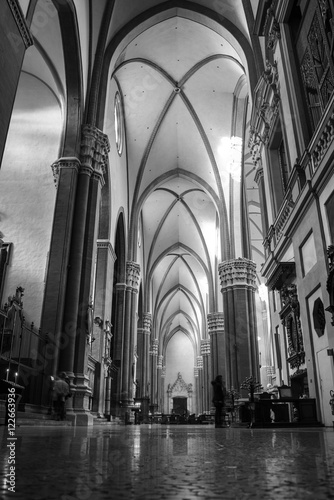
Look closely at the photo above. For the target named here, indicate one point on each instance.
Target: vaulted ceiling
(184, 84)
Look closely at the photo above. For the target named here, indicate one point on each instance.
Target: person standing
(61, 393)
(219, 393)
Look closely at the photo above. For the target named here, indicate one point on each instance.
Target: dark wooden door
(180, 405)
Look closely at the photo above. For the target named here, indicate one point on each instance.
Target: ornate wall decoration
(330, 281)
(290, 316)
(274, 35)
(265, 110)
(180, 387)
(319, 319)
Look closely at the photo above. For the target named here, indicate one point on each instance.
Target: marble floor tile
(158, 462)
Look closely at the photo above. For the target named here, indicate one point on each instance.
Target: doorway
(180, 405)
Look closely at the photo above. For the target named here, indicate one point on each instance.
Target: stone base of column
(80, 413)
(144, 408)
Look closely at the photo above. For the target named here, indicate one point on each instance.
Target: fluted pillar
(217, 338)
(205, 353)
(238, 285)
(130, 324)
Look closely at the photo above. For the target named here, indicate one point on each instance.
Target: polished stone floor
(162, 462)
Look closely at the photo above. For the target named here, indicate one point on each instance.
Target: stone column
(105, 260)
(117, 355)
(217, 338)
(132, 276)
(65, 171)
(199, 384)
(205, 353)
(77, 325)
(163, 392)
(159, 382)
(143, 336)
(238, 282)
(154, 365)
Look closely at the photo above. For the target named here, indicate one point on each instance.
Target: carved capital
(215, 323)
(237, 272)
(70, 162)
(160, 361)
(147, 323)
(94, 151)
(154, 347)
(132, 275)
(205, 347)
(199, 360)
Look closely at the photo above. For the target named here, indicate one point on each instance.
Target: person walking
(219, 393)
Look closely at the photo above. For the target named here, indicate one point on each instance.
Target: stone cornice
(65, 162)
(283, 272)
(237, 272)
(107, 244)
(21, 22)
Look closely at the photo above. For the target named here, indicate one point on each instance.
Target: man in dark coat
(218, 400)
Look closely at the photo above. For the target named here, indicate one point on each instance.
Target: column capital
(120, 287)
(64, 162)
(154, 347)
(132, 275)
(160, 361)
(94, 152)
(147, 323)
(107, 245)
(237, 272)
(199, 360)
(215, 323)
(205, 347)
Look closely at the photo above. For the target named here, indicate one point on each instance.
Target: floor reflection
(169, 462)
